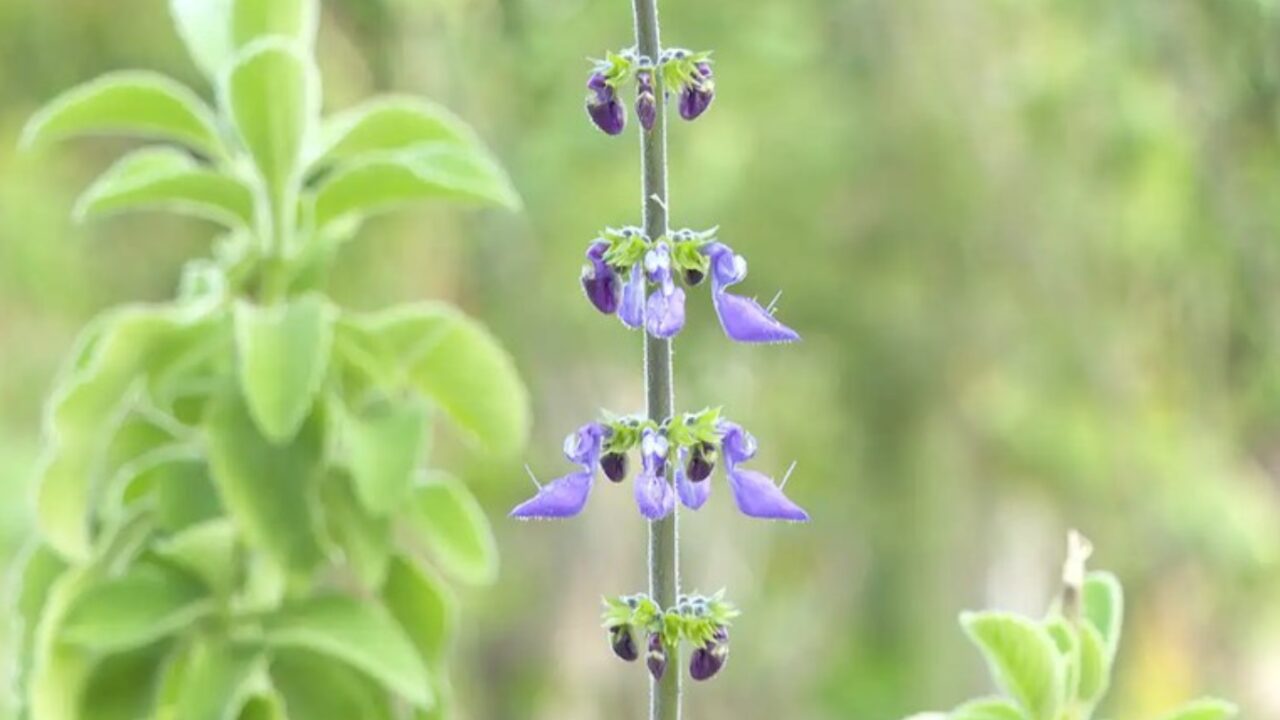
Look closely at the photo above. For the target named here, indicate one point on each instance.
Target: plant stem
(664, 541)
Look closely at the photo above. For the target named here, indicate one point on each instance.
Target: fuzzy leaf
(265, 487)
(207, 551)
(283, 354)
(205, 28)
(295, 20)
(123, 686)
(1095, 665)
(390, 124)
(449, 520)
(167, 179)
(362, 635)
(316, 687)
(1103, 606)
(135, 103)
(1023, 661)
(145, 604)
(439, 170)
(1204, 709)
(987, 709)
(363, 538)
(385, 446)
(424, 606)
(212, 681)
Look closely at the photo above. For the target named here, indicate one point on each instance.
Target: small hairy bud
(623, 642)
(656, 659)
(707, 660)
(697, 94)
(614, 466)
(694, 277)
(600, 282)
(646, 103)
(606, 111)
(702, 461)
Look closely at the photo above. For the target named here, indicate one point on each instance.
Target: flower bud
(693, 277)
(707, 660)
(702, 460)
(656, 658)
(614, 466)
(646, 103)
(599, 281)
(697, 93)
(623, 642)
(606, 111)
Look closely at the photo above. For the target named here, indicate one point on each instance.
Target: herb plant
(1060, 667)
(236, 516)
(641, 275)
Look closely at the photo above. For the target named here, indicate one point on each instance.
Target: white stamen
(533, 477)
(773, 303)
(656, 198)
(787, 477)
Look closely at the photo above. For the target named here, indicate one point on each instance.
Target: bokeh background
(1033, 247)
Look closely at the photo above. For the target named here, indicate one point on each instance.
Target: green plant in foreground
(235, 518)
(1059, 668)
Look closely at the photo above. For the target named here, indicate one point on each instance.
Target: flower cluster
(688, 73)
(702, 621)
(697, 441)
(669, 264)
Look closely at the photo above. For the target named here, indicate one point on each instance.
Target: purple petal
(745, 321)
(757, 496)
(601, 284)
(665, 313)
(609, 115)
(654, 496)
(561, 498)
(738, 444)
(582, 446)
(631, 311)
(693, 494)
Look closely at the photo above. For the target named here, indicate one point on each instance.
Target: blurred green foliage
(1032, 246)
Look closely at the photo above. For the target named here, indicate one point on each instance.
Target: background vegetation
(1033, 247)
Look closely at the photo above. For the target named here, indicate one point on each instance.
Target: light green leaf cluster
(1058, 668)
(237, 519)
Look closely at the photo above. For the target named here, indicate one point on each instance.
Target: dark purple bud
(701, 462)
(656, 658)
(693, 277)
(646, 104)
(707, 660)
(697, 93)
(599, 281)
(614, 466)
(603, 106)
(623, 642)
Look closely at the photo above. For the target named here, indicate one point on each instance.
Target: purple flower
(743, 319)
(656, 658)
(603, 105)
(654, 495)
(623, 642)
(631, 311)
(566, 496)
(599, 281)
(614, 466)
(646, 103)
(698, 92)
(707, 660)
(692, 493)
(664, 311)
(755, 493)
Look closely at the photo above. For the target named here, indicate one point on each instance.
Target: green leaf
(167, 179)
(449, 520)
(123, 686)
(363, 538)
(1095, 665)
(145, 604)
(267, 488)
(205, 28)
(58, 672)
(424, 606)
(390, 124)
(1204, 709)
(269, 706)
(1066, 640)
(1023, 661)
(134, 103)
(292, 19)
(385, 444)
(362, 635)
(206, 551)
(316, 687)
(40, 567)
(272, 94)
(283, 353)
(115, 352)
(1103, 605)
(212, 681)
(432, 171)
(987, 709)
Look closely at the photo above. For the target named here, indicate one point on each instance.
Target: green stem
(664, 542)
